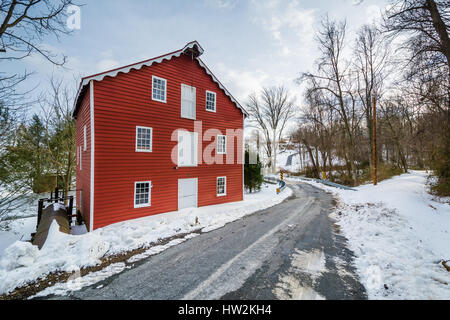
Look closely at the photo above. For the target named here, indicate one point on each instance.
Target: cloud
(374, 13)
(290, 26)
(241, 83)
(221, 4)
(357, 2)
(107, 64)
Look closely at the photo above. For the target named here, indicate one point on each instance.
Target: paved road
(290, 251)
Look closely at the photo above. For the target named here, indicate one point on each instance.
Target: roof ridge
(191, 47)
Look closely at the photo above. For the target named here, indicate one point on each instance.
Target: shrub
(252, 174)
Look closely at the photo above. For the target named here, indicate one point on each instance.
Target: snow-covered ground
(298, 164)
(295, 165)
(17, 230)
(22, 228)
(400, 235)
(22, 262)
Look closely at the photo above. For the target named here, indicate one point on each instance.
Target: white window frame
(81, 159)
(206, 101)
(165, 91)
(195, 152)
(219, 136)
(224, 186)
(151, 139)
(84, 139)
(143, 205)
(181, 102)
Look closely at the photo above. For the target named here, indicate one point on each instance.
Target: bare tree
(270, 112)
(60, 127)
(372, 62)
(334, 81)
(23, 26)
(427, 22)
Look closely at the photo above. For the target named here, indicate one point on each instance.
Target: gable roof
(192, 48)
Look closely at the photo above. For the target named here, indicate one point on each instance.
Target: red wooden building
(156, 136)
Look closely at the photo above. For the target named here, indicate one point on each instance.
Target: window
(221, 186)
(188, 102)
(144, 139)
(187, 149)
(81, 159)
(78, 154)
(142, 194)
(210, 101)
(84, 139)
(159, 89)
(221, 144)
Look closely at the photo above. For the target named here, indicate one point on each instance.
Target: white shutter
(187, 148)
(188, 102)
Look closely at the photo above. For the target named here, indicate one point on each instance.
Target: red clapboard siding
(123, 102)
(84, 175)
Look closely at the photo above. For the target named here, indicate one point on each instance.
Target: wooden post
(69, 211)
(374, 127)
(40, 208)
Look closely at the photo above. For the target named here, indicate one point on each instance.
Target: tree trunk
(440, 28)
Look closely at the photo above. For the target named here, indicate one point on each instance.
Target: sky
(248, 43)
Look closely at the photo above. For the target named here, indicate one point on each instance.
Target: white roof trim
(137, 66)
(203, 65)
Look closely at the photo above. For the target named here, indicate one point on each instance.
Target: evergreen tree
(252, 173)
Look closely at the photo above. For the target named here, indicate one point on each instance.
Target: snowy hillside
(292, 161)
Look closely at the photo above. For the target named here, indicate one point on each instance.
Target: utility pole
(374, 135)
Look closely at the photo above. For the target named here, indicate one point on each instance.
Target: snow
(17, 230)
(25, 218)
(399, 234)
(21, 263)
(298, 163)
(282, 159)
(59, 206)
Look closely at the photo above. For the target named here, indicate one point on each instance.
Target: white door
(187, 193)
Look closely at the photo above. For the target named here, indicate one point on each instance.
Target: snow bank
(399, 236)
(22, 263)
(17, 230)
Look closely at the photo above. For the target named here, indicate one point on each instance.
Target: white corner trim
(91, 209)
(243, 158)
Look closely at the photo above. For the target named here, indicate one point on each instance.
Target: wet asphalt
(290, 251)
